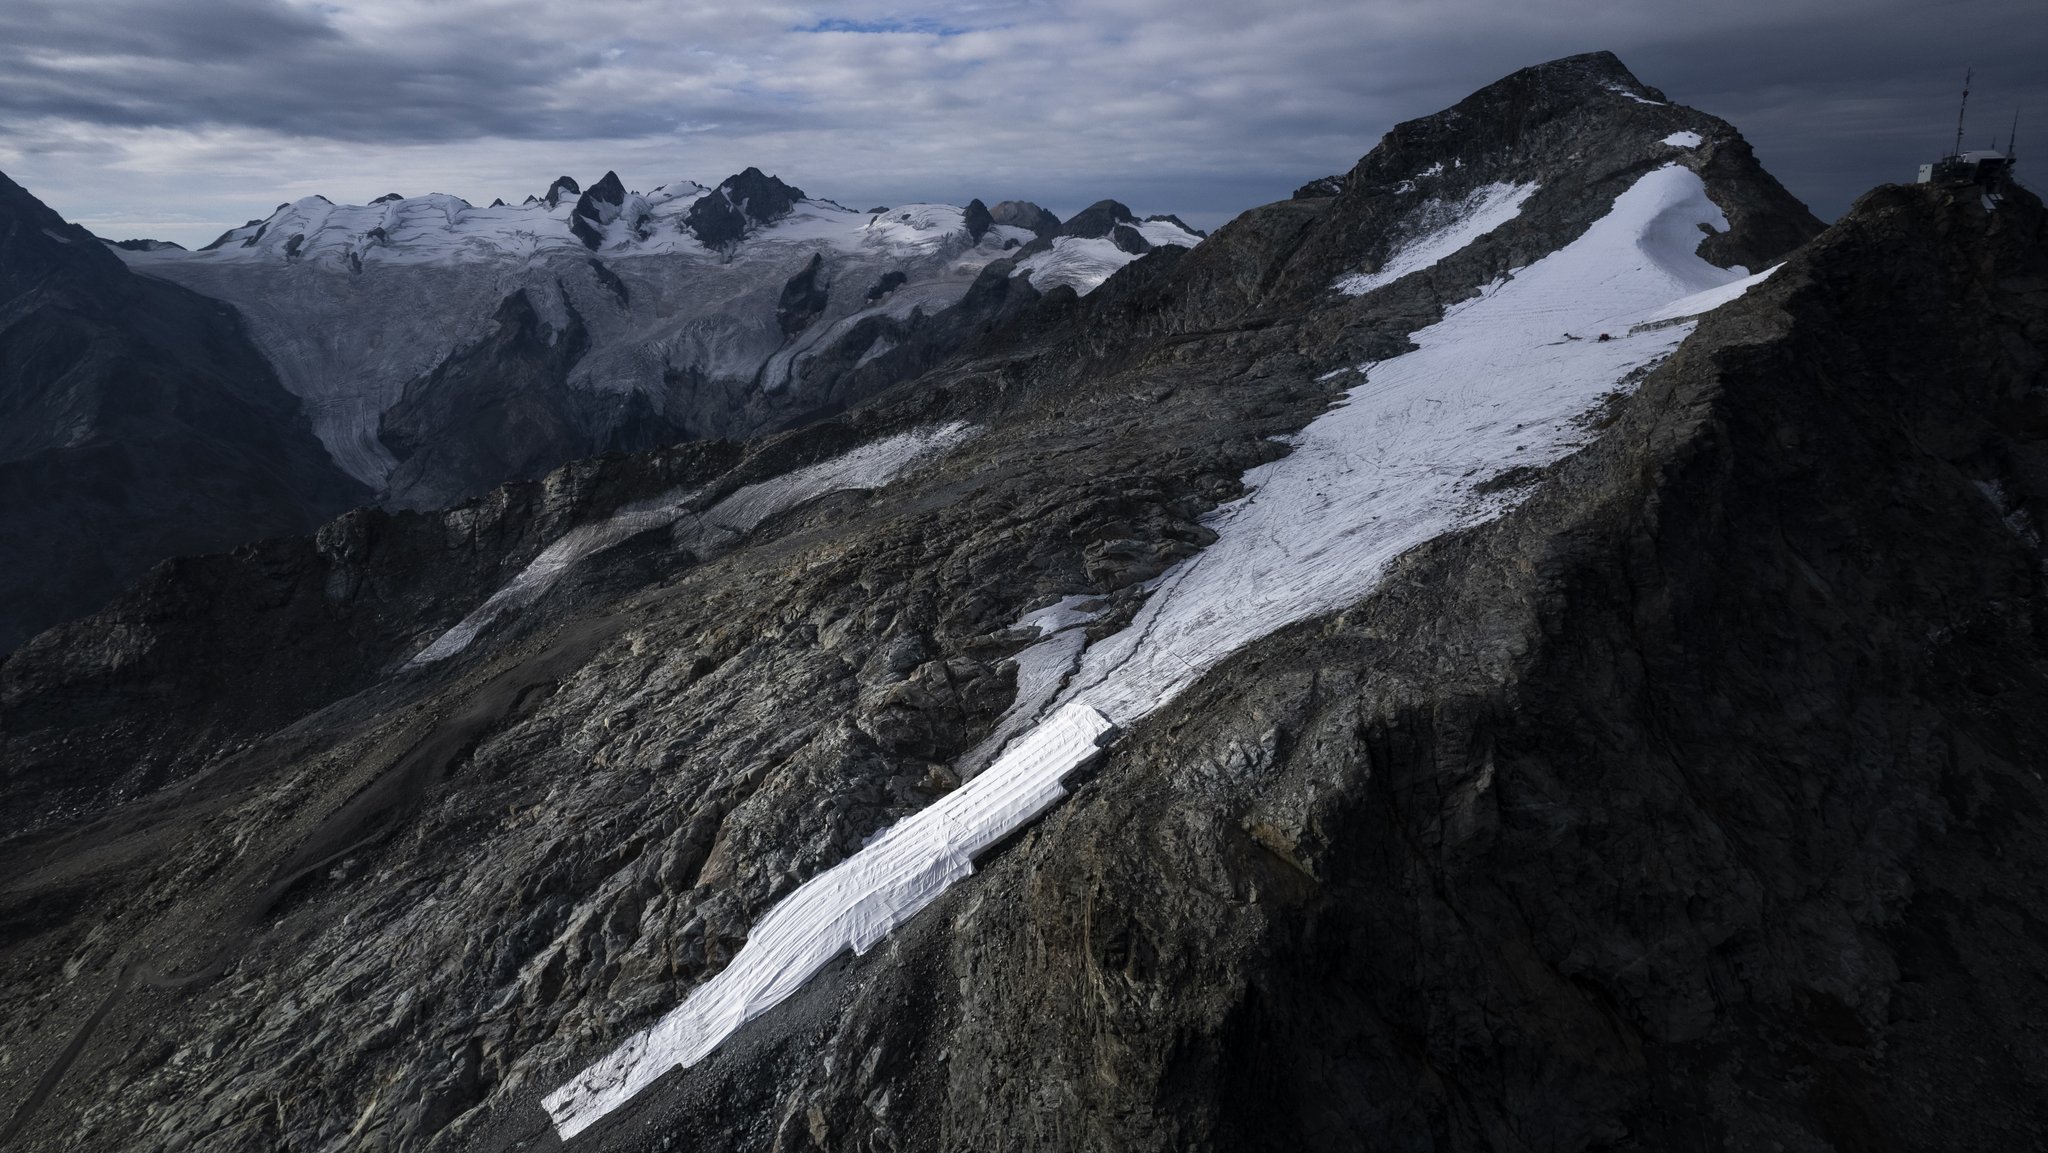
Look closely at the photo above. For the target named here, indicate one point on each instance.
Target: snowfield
(723, 524)
(1502, 381)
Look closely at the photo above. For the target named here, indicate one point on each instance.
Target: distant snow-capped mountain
(441, 348)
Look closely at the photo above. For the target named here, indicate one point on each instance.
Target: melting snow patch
(849, 906)
(869, 466)
(1683, 140)
(1445, 229)
(1620, 91)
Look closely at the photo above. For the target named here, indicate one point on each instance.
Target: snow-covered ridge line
(871, 465)
(1444, 228)
(849, 906)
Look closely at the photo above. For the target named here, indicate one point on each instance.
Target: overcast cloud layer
(179, 118)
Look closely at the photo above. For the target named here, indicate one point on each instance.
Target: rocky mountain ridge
(137, 421)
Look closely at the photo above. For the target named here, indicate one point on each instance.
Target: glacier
(352, 303)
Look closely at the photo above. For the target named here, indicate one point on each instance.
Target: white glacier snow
(871, 465)
(1443, 228)
(1501, 381)
(1083, 263)
(1683, 140)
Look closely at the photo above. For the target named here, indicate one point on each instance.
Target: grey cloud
(120, 109)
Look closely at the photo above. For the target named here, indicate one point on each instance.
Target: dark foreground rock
(137, 422)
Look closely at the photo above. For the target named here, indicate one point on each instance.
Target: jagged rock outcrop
(137, 422)
(597, 206)
(1686, 801)
(978, 220)
(1024, 214)
(1103, 220)
(804, 296)
(563, 186)
(739, 205)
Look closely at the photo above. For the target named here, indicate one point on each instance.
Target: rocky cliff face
(137, 422)
(1680, 796)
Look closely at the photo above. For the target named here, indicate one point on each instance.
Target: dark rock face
(1324, 186)
(978, 220)
(563, 186)
(889, 282)
(136, 422)
(596, 207)
(1099, 219)
(1102, 220)
(1024, 214)
(739, 205)
(803, 298)
(388, 198)
(502, 407)
(147, 245)
(1691, 803)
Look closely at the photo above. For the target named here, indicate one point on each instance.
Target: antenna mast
(1962, 110)
(2013, 136)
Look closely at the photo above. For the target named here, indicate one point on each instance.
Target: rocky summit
(1532, 643)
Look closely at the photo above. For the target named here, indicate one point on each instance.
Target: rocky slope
(1674, 788)
(137, 422)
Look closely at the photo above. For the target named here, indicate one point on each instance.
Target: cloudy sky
(179, 118)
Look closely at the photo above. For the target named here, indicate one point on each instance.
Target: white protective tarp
(849, 906)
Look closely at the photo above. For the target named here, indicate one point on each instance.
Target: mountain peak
(741, 203)
(562, 185)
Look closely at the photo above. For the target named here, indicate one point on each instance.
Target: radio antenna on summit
(1960, 112)
(2012, 137)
